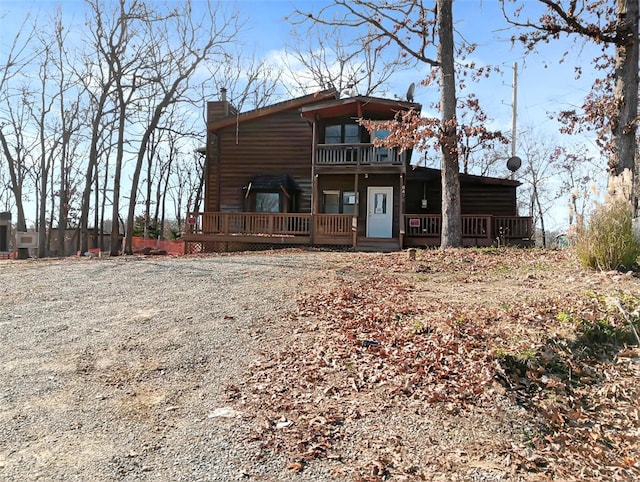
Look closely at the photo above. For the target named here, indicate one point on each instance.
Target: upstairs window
(382, 153)
(342, 134)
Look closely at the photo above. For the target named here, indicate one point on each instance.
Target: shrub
(607, 242)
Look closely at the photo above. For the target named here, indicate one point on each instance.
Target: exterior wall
(346, 182)
(475, 198)
(277, 144)
(479, 198)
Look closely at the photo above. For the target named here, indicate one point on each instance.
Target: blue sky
(540, 89)
(544, 85)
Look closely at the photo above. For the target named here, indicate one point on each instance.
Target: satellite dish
(514, 163)
(410, 92)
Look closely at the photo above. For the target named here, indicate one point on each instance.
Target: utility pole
(514, 162)
(514, 112)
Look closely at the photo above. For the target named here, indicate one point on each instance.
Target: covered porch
(306, 229)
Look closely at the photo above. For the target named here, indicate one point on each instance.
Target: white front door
(379, 212)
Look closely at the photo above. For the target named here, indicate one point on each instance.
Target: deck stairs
(380, 245)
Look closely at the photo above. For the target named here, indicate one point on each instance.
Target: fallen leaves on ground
(445, 335)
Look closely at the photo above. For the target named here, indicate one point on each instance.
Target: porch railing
(510, 227)
(248, 223)
(335, 225)
(272, 224)
(513, 227)
(340, 225)
(357, 154)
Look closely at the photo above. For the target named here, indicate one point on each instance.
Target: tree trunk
(451, 215)
(115, 212)
(16, 187)
(626, 93)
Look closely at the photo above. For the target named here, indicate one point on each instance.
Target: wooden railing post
(225, 223)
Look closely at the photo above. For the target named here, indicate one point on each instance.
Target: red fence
(171, 247)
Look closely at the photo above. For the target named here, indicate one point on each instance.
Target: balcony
(358, 155)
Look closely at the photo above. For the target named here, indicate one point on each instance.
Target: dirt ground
(308, 365)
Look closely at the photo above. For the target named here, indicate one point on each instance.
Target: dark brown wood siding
(277, 144)
(488, 199)
(476, 198)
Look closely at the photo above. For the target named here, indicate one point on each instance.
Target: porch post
(401, 213)
(314, 184)
(356, 212)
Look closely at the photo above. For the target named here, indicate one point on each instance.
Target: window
(267, 202)
(342, 134)
(348, 202)
(331, 202)
(382, 153)
(337, 202)
(380, 203)
(351, 133)
(333, 134)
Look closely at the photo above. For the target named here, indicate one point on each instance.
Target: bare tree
(17, 147)
(107, 65)
(327, 60)
(251, 83)
(612, 106)
(578, 174)
(171, 66)
(540, 177)
(55, 121)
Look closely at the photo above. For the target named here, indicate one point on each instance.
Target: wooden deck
(420, 230)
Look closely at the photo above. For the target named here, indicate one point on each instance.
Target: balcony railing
(357, 154)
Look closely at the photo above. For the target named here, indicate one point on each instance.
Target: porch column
(314, 184)
(401, 213)
(356, 212)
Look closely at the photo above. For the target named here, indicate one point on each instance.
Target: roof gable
(272, 109)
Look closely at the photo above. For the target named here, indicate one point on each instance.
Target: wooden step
(378, 245)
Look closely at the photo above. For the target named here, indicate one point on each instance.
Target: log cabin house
(304, 172)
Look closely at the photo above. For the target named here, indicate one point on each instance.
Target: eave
(427, 173)
(271, 110)
(358, 106)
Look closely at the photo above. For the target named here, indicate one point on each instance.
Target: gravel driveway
(116, 369)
